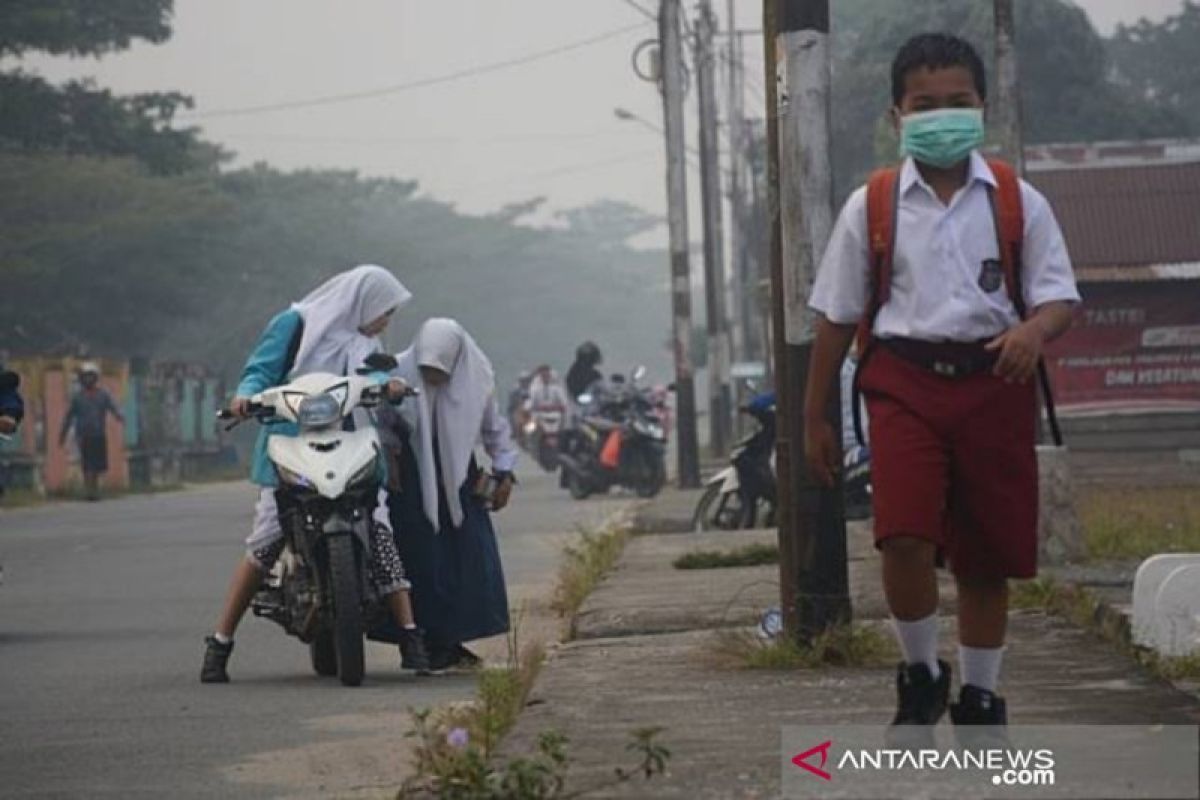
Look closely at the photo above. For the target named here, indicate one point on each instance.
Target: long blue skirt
(458, 590)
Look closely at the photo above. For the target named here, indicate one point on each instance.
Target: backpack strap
(1010, 229)
(883, 208)
(1010, 236)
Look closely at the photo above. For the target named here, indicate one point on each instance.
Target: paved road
(101, 619)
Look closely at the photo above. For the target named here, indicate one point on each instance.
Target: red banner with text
(1133, 348)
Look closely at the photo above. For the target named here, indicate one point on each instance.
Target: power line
(569, 169)
(306, 139)
(468, 72)
(645, 12)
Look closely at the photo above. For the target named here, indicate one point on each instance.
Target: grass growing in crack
(751, 555)
(584, 565)
(840, 646)
(1077, 605)
(1141, 522)
(456, 750)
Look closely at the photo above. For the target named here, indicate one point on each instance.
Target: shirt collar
(977, 172)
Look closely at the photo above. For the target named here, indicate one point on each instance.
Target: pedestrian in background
(87, 414)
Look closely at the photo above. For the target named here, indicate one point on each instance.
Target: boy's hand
(821, 451)
(1020, 349)
(8, 425)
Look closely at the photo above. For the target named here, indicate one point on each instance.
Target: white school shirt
(939, 257)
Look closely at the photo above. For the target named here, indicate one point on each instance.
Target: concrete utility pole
(813, 569)
(1060, 534)
(743, 284)
(1006, 110)
(681, 282)
(720, 416)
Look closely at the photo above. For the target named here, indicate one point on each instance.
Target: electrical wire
(383, 91)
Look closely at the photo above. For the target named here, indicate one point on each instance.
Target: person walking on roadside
(956, 275)
(87, 414)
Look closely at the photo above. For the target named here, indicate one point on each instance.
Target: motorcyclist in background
(584, 372)
(546, 391)
(12, 408)
(518, 398)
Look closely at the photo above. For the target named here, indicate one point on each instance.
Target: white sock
(222, 638)
(980, 666)
(918, 642)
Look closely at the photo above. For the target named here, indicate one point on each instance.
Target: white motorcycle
(329, 481)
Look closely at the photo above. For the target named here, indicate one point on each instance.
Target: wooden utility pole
(720, 415)
(681, 282)
(813, 569)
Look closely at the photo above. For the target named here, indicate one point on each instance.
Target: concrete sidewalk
(643, 657)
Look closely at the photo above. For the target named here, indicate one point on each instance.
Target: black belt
(947, 359)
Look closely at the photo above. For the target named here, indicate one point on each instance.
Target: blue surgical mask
(942, 137)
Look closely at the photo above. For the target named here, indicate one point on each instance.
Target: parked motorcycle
(743, 494)
(329, 480)
(620, 441)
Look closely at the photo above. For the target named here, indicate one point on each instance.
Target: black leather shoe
(413, 654)
(980, 719)
(921, 702)
(216, 656)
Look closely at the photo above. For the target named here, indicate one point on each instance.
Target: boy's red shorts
(953, 462)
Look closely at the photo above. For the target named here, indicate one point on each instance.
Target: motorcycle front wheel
(347, 610)
(577, 485)
(653, 477)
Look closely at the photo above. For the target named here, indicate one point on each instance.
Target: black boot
(216, 656)
(413, 654)
(980, 719)
(921, 702)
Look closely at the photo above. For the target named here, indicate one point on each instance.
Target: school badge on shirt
(991, 275)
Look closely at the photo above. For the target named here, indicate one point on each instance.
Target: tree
(81, 27)
(1068, 93)
(80, 118)
(1157, 62)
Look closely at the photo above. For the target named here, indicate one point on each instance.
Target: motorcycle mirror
(671, 387)
(9, 381)
(639, 373)
(378, 362)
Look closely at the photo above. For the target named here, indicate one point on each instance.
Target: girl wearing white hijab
(333, 329)
(444, 531)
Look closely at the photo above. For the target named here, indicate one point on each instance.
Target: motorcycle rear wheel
(347, 610)
(323, 652)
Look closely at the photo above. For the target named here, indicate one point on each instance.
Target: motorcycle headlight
(292, 478)
(319, 411)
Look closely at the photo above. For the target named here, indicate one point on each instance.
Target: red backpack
(883, 205)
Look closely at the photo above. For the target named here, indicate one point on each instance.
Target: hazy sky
(545, 127)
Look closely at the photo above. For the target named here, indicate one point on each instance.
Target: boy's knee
(982, 584)
(909, 550)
